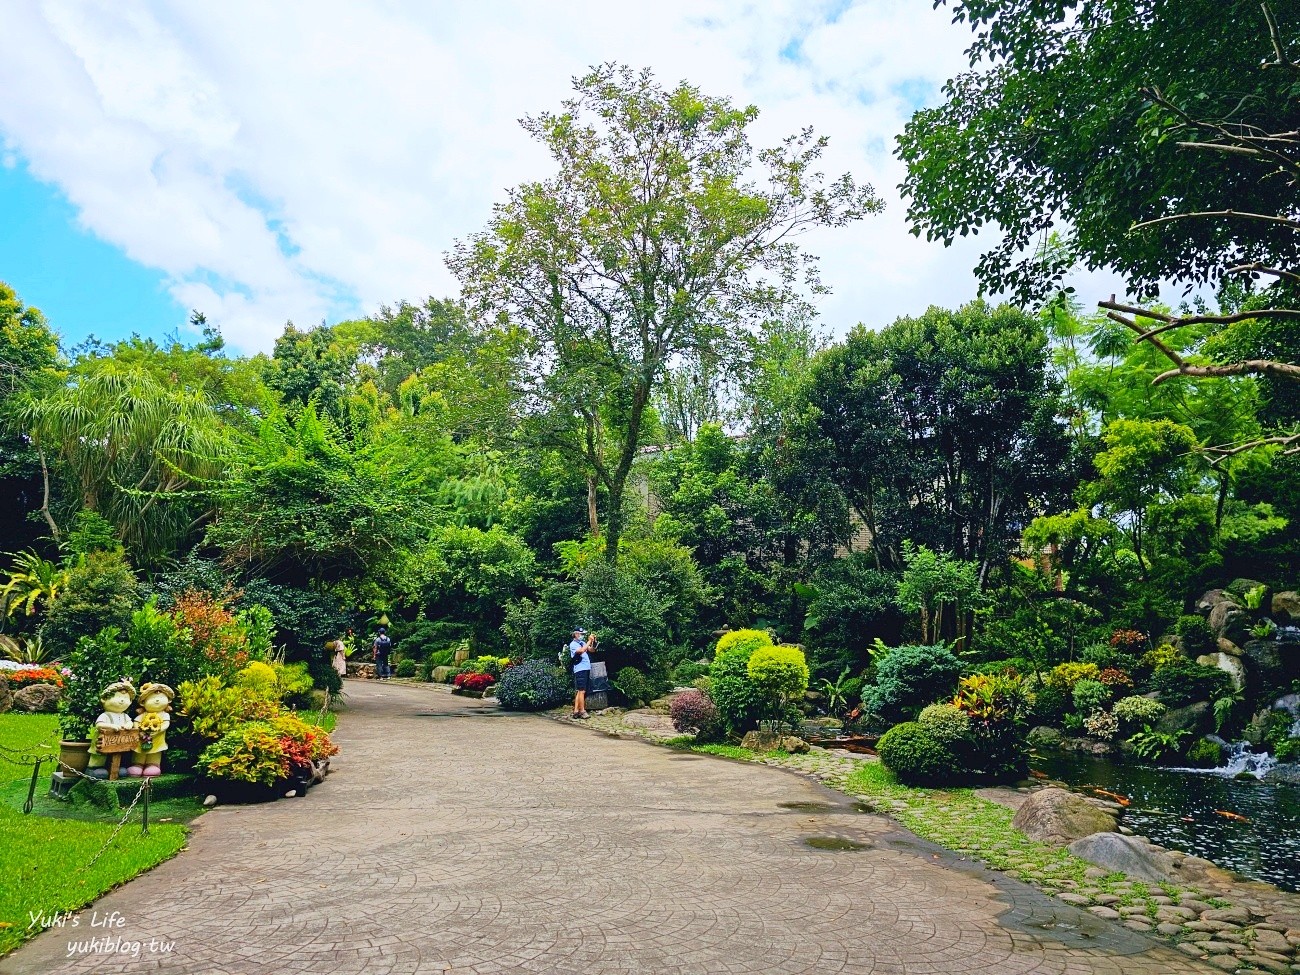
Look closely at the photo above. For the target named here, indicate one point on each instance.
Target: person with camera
(580, 649)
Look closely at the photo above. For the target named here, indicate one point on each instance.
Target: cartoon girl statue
(152, 720)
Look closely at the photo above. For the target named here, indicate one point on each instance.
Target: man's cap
(579, 629)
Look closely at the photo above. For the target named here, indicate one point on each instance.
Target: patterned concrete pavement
(454, 838)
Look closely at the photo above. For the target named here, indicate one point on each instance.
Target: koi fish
(1122, 800)
(1037, 774)
(1231, 815)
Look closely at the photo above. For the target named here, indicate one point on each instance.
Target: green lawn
(44, 861)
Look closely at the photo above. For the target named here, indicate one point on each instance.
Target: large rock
(1060, 817)
(761, 741)
(1212, 599)
(1263, 663)
(1230, 621)
(6, 696)
(442, 674)
(1239, 587)
(1232, 666)
(1044, 736)
(1228, 647)
(43, 698)
(1129, 855)
(1286, 606)
(1288, 773)
(1195, 719)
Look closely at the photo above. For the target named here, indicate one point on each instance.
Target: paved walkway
(454, 838)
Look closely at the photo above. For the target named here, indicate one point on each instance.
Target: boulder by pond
(41, 698)
(1060, 817)
(1230, 621)
(1286, 606)
(1130, 855)
(1194, 719)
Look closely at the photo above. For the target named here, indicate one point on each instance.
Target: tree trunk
(591, 506)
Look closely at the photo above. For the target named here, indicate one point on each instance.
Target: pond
(1180, 809)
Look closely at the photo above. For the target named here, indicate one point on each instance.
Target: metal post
(31, 789)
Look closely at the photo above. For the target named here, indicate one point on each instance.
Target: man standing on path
(580, 648)
(383, 647)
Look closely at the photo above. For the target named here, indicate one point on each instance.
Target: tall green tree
(660, 237)
(943, 430)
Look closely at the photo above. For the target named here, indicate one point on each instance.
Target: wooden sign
(115, 744)
(109, 742)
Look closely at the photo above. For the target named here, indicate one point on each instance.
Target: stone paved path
(454, 838)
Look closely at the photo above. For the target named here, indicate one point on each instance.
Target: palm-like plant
(33, 581)
(25, 650)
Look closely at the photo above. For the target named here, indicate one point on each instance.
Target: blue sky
(265, 162)
(83, 285)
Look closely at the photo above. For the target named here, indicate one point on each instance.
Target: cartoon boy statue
(116, 699)
(152, 721)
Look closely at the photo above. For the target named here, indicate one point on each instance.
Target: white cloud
(311, 160)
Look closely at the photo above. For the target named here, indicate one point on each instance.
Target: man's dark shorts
(581, 679)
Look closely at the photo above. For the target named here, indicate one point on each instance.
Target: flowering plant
(477, 683)
(148, 724)
(34, 675)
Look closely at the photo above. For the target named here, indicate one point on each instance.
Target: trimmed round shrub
(945, 722)
(1090, 695)
(740, 705)
(913, 754)
(406, 668)
(909, 678)
(694, 711)
(1049, 703)
(780, 674)
(534, 685)
(1065, 676)
(1134, 712)
(749, 640)
(1206, 754)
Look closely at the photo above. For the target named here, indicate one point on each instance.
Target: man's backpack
(383, 644)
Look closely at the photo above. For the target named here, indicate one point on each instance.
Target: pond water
(1179, 809)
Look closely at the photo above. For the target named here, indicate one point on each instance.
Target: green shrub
(534, 685)
(1286, 751)
(442, 658)
(1135, 712)
(101, 591)
(296, 684)
(686, 673)
(492, 666)
(1182, 682)
(1067, 675)
(945, 722)
(1103, 656)
(96, 662)
(780, 674)
(634, 686)
(1049, 704)
(910, 678)
(1196, 636)
(740, 705)
(1208, 754)
(405, 668)
(1016, 665)
(749, 640)
(914, 755)
(1090, 695)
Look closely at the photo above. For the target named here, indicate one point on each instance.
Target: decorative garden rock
(1193, 719)
(1230, 621)
(1230, 665)
(1286, 606)
(1228, 647)
(1211, 599)
(6, 696)
(442, 674)
(1263, 662)
(794, 745)
(1127, 854)
(761, 741)
(1060, 817)
(41, 698)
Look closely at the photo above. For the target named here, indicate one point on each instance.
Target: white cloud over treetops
(312, 160)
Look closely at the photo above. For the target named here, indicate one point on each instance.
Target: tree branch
(1266, 218)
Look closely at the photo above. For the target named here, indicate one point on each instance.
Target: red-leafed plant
(477, 683)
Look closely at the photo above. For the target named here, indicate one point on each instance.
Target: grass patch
(44, 862)
(27, 734)
(326, 721)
